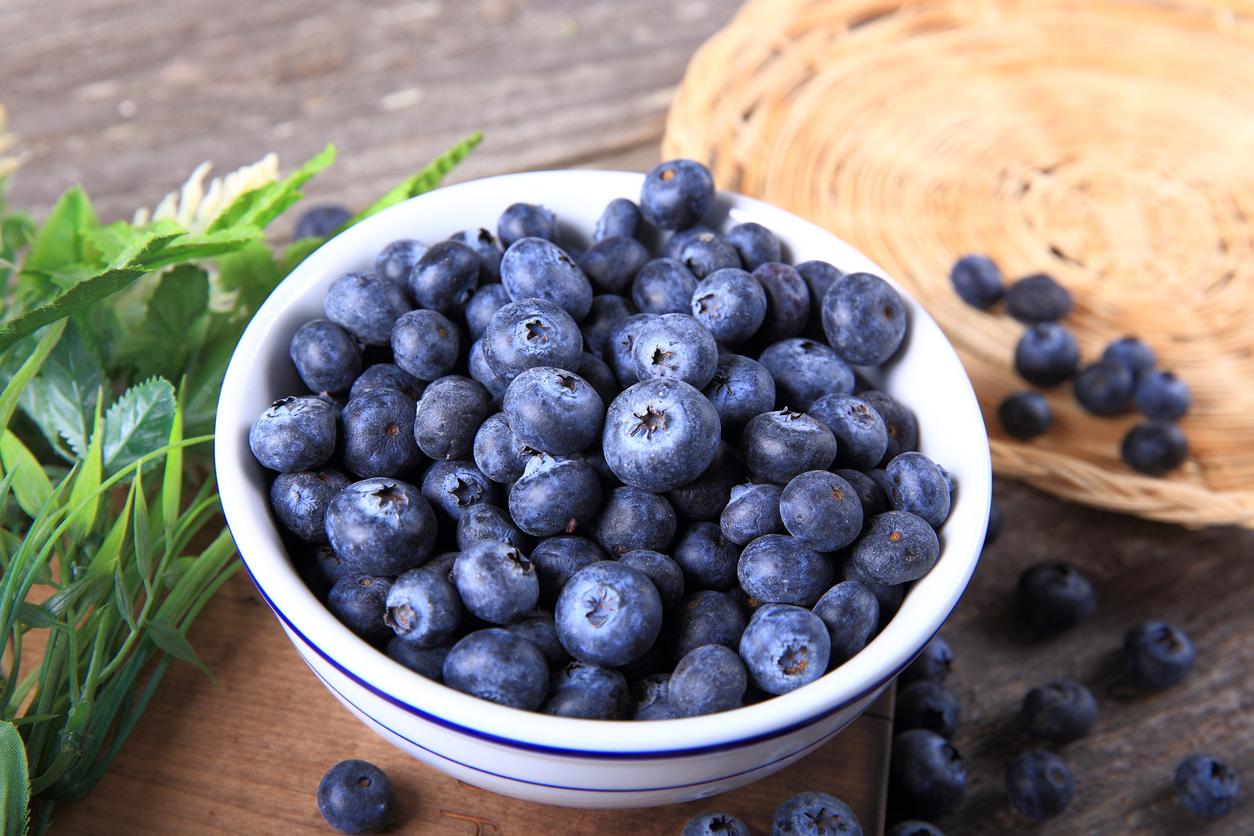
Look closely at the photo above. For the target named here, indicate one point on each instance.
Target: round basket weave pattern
(1109, 143)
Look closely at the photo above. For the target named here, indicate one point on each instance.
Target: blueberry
(1025, 415)
(897, 547)
(706, 617)
(488, 299)
(707, 680)
(1059, 712)
(821, 510)
(659, 434)
(914, 827)
(708, 559)
(1154, 447)
(442, 565)
(618, 348)
(594, 370)
(366, 306)
(485, 245)
(557, 559)
(453, 486)
(652, 698)
(819, 277)
(359, 602)
(1054, 596)
(487, 522)
(1039, 784)
(1104, 387)
(787, 300)
(608, 614)
(496, 665)
(752, 512)
(1158, 655)
(779, 569)
(888, 595)
(423, 608)
(300, 501)
(424, 661)
(873, 498)
(730, 304)
(553, 410)
(380, 527)
(1038, 298)
(920, 487)
(1207, 786)
(861, 435)
(977, 280)
(675, 243)
(378, 439)
(852, 616)
(1046, 354)
(740, 389)
(784, 647)
(355, 796)
(780, 445)
(530, 333)
(526, 220)
(395, 261)
(496, 581)
(864, 318)
(1132, 352)
(933, 664)
(815, 814)
(607, 311)
(500, 454)
(477, 365)
(1161, 396)
(386, 376)
(296, 434)
(320, 567)
(705, 497)
(926, 774)
(534, 268)
(755, 243)
(665, 574)
(903, 429)
(540, 630)
(927, 705)
(715, 824)
(612, 263)
(634, 519)
(677, 194)
(675, 346)
(449, 414)
(588, 691)
(662, 286)
(804, 371)
(555, 496)
(326, 356)
(320, 222)
(621, 218)
(425, 344)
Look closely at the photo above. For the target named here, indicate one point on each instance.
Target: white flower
(194, 207)
(10, 162)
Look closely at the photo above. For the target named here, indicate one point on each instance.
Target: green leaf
(36, 616)
(85, 489)
(172, 479)
(59, 244)
(29, 368)
(61, 400)
(252, 272)
(105, 243)
(172, 641)
(122, 598)
(173, 324)
(262, 205)
(425, 180)
(138, 423)
(197, 247)
(30, 486)
(17, 230)
(297, 251)
(14, 781)
(140, 538)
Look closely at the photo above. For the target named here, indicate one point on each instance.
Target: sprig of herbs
(111, 538)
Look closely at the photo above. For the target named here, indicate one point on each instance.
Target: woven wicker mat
(1107, 142)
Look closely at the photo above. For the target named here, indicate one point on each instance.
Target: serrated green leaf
(61, 399)
(60, 243)
(30, 485)
(17, 230)
(27, 371)
(424, 181)
(105, 243)
(173, 324)
(138, 423)
(197, 247)
(168, 638)
(252, 272)
(262, 205)
(14, 781)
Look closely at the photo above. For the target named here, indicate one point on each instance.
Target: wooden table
(127, 97)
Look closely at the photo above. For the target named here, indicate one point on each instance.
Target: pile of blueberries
(1047, 354)
(603, 484)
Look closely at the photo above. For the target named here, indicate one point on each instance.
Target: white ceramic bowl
(584, 763)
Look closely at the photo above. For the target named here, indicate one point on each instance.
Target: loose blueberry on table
(356, 797)
(659, 447)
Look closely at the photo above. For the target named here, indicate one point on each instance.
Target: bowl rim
(302, 615)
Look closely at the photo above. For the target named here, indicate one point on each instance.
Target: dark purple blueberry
(1132, 352)
(920, 487)
(780, 445)
(386, 376)
(607, 311)
(395, 261)
(1154, 447)
(1059, 712)
(378, 434)
(787, 300)
(659, 434)
(778, 569)
(977, 280)
(555, 496)
(453, 486)
(815, 814)
(707, 680)
(296, 434)
(620, 218)
(488, 299)
(449, 414)
(821, 510)
(423, 608)
(933, 664)
(477, 365)
(300, 501)
(589, 692)
(557, 559)
(496, 665)
(634, 519)
(665, 574)
(873, 498)
(705, 617)
(1046, 354)
(1161, 396)
(380, 527)
(819, 276)
(487, 522)
(526, 220)
(424, 661)
(899, 421)
(914, 827)
(1206, 786)
(708, 252)
(540, 630)
(1054, 596)
(355, 796)
(533, 332)
(752, 512)
(1038, 298)
(1039, 784)
(663, 286)
(675, 346)
(618, 348)
(599, 375)
(320, 222)
(1158, 655)
(864, 318)
(442, 565)
(359, 602)
(1104, 387)
(804, 371)
(608, 614)
(927, 705)
(715, 824)
(553, 410)
(852, 616)
(897, 547)
(496, 581)
(326, 356)
(888, 595)
(534, 268)
(756, 244)
(652, 698)
(612, 263)
(1025, 415)
(926, 774)
(705, 497)
(366, 306)
(675, 243)
(426, 344)
(320, 567)
(489, 250)
(677, 194)
(740, 389)
(861, 435)
(707, 559)
(730, 304)
(500, 454)
(784, 647)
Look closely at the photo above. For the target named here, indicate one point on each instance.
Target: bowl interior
(926, 375)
